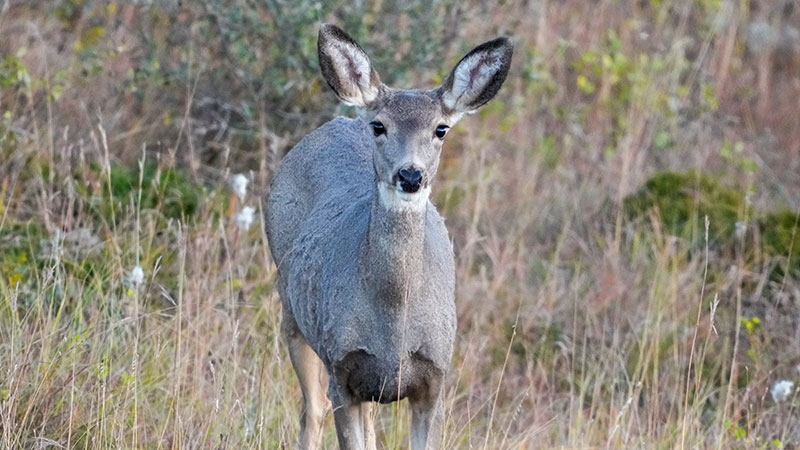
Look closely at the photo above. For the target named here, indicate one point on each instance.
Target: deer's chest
(386, 355)
(387, 378)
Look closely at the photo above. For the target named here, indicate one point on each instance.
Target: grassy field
(624, 217)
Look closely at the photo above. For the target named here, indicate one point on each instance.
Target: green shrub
(780, 239)
(683, 200)
(21, 248)
(163, 189)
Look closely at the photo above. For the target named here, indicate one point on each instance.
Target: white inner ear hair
(471, 77)
(394, 199)
(353, 69)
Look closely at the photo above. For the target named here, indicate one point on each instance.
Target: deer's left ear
(478, 76)
(346, 67)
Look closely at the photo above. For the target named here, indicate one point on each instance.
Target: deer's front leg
(427, 418)
(346, 415)
(368, 420)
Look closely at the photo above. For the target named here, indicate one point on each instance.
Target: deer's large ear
(478, 76)
(346, 67)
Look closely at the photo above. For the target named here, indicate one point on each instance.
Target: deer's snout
(410, 179)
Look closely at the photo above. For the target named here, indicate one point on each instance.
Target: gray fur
(366, 284)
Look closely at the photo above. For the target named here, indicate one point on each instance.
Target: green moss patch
(682, 201)
(165, 190)
(21, 244)
(780, 239)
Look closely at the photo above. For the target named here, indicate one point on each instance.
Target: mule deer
(365, 266)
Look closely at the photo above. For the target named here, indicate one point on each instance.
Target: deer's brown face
(409, 126)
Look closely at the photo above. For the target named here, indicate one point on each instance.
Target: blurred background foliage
(214, 77)
(576, 201)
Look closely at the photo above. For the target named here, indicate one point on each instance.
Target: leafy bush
(683, 200)
(780, 238)
(165, 190)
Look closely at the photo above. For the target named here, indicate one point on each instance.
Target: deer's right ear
(478, 76)
(347, 68)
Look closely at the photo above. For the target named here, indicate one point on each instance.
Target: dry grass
(579, 327)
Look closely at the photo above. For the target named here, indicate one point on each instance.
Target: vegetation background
(624, 218)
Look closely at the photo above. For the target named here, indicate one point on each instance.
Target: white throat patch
(394, 199)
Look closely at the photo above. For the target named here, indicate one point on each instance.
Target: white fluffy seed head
(244, 218)
(239, 185)
(782, 390)
(136, 276)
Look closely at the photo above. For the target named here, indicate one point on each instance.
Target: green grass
(594, 309)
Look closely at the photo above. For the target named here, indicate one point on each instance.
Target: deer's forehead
(411, 109)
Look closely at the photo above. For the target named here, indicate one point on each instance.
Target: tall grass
(581, 325)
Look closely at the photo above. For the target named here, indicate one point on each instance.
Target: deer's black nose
(410, 179)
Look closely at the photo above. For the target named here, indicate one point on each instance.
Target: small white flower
(239, 185)
(244, 218)
(782, 390)
(136, 277)
(741, 230)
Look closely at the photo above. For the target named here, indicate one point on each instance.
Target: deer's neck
(393, 263)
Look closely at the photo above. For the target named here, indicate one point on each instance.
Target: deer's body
(365, 265)
(325, 252)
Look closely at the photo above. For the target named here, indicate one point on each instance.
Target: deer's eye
(441, 130)
(378, 128)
